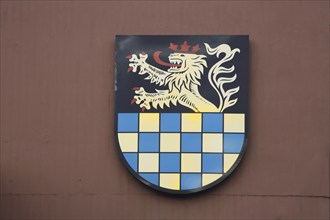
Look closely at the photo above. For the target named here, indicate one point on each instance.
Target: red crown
(184, 48)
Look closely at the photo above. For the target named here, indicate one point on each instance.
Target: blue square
(169, 162)
(150, 177)
(190, 181)
(127, 122)
(212, 122)
(212, 163)
(131, 159)
(191, 142)
(170, 122)
(148, 142)
(233, 143)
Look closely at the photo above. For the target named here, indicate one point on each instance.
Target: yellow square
(148, 162)
(149, 122)
(191, 122)
(190, 162)
(170, 180)
(229, 160)
(210, 178)
(234, 123)
(170, 142)
(128, 142)
(212, 142)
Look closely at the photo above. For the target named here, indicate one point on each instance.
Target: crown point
(195, 48)
(184, 47)
(173, 47)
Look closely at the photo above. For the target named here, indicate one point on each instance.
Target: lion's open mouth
(174, 63)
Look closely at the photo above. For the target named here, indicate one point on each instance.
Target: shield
(181, 109)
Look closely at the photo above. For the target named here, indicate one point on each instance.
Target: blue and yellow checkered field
(181, 151)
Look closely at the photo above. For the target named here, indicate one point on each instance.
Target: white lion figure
(183, 79)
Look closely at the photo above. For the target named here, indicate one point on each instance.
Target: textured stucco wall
(58, 159)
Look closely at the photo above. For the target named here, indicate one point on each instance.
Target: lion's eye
(181, 55)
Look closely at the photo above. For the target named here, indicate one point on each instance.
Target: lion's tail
(216, 79)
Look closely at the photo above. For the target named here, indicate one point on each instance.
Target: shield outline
(171, 191)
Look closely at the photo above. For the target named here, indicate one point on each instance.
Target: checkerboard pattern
(181, 151)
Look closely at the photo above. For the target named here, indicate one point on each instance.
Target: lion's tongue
(159, 61)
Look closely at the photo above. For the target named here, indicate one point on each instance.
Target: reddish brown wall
(58, 159)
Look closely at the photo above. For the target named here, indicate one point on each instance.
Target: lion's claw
(141, 98)
(137, 61)
(133, 101)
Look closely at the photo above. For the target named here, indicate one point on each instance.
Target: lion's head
(189, 69)
(185, 69)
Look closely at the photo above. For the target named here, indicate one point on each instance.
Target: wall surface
(58, 159)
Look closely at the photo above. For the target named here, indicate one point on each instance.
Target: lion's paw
(141, 98)
(136, 61)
